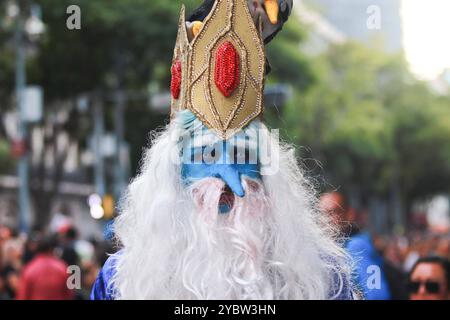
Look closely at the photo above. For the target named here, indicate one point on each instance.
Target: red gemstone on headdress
(227, 69)
(175, 83)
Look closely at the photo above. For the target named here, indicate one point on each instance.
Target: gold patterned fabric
(222, 69)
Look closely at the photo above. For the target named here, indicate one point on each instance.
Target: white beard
(273, 244)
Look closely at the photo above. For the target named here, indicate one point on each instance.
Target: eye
(211, 154)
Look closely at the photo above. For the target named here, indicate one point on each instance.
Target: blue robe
(103, 288)
(366, 257)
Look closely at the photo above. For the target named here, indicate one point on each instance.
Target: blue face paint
(223, 160)
(223, 166)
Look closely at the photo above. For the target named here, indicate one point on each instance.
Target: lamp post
(22, 166)
(99, 132)
(24, 26)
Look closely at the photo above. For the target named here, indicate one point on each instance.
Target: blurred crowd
(403, 254)
(411, 266)
(37, 266)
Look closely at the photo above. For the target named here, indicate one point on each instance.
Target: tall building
(351, 17)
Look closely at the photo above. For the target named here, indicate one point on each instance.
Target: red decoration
(175, 83)
(227, 69)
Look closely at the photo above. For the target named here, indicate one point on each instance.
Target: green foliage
(117, 36)
(7, 61)
(122, 43)
(6, 161)
(130, 43)
(288, 64)
(358, 111)
(370, 123)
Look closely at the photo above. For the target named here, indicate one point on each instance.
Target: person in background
(68, 238)
(13, 253)
(45, 276)
(11, 280)
(411, 256)
(31, 245)
(4, 235)
(443, 247)
(395, 275)
(3, 291)
(89, 275)
(359, 246)
(429, 279)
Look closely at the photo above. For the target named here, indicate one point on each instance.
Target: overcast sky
(427, 36)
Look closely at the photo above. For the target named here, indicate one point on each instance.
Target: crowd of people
(413, 266)
(402, 255)
(39, 266)
(401, 260)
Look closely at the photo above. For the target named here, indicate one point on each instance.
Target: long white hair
(273, 244)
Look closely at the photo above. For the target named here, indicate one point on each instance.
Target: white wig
(273, 244)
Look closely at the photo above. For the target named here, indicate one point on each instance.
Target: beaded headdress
(219, 74)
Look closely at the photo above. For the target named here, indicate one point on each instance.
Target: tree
(121, 46)
(7, 64)
(374, 128)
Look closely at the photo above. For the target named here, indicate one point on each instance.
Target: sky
(426, 27)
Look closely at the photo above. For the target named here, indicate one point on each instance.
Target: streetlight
(24, 26)
(34, 26)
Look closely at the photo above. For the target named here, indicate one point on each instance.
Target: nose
(231, 176)
(422, 290)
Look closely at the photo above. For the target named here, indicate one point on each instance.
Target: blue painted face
(224, 160)
(229, 160)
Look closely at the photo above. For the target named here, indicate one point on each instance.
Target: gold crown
(219, 75)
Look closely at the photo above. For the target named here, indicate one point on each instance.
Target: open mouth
(226, 200)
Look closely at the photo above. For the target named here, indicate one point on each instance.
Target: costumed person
(369, 268)
(221, 209)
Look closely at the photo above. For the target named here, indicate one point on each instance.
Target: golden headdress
(219, 75)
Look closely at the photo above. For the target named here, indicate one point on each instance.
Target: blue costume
(368, 264)
(103, 288)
